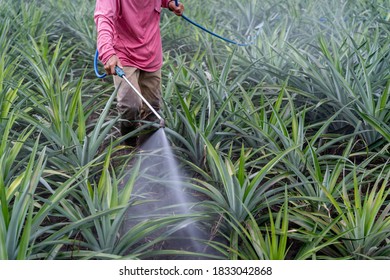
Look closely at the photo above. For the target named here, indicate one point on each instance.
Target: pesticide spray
(160, 192)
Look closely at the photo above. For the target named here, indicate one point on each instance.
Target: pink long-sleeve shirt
(131, 30)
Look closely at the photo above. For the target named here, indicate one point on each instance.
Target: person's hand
(178, 10)
(111, 63)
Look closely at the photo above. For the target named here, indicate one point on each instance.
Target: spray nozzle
(162, 123)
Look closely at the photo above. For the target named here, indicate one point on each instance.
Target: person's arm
(105, 13)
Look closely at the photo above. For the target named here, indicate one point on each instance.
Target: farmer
(129, 37)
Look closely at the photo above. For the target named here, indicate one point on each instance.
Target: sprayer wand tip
(162, 123)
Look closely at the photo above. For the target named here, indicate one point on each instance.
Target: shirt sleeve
(105, 13)
(164, 3)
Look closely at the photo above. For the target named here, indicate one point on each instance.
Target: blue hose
(95, 66)
(210, 32)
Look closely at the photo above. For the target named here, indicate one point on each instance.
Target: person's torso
(138, 40)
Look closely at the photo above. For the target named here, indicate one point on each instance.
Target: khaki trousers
(130, 106)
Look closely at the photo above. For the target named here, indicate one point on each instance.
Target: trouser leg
(130, 105)
(150, 84)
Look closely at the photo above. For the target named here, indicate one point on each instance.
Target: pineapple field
(283, 144)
